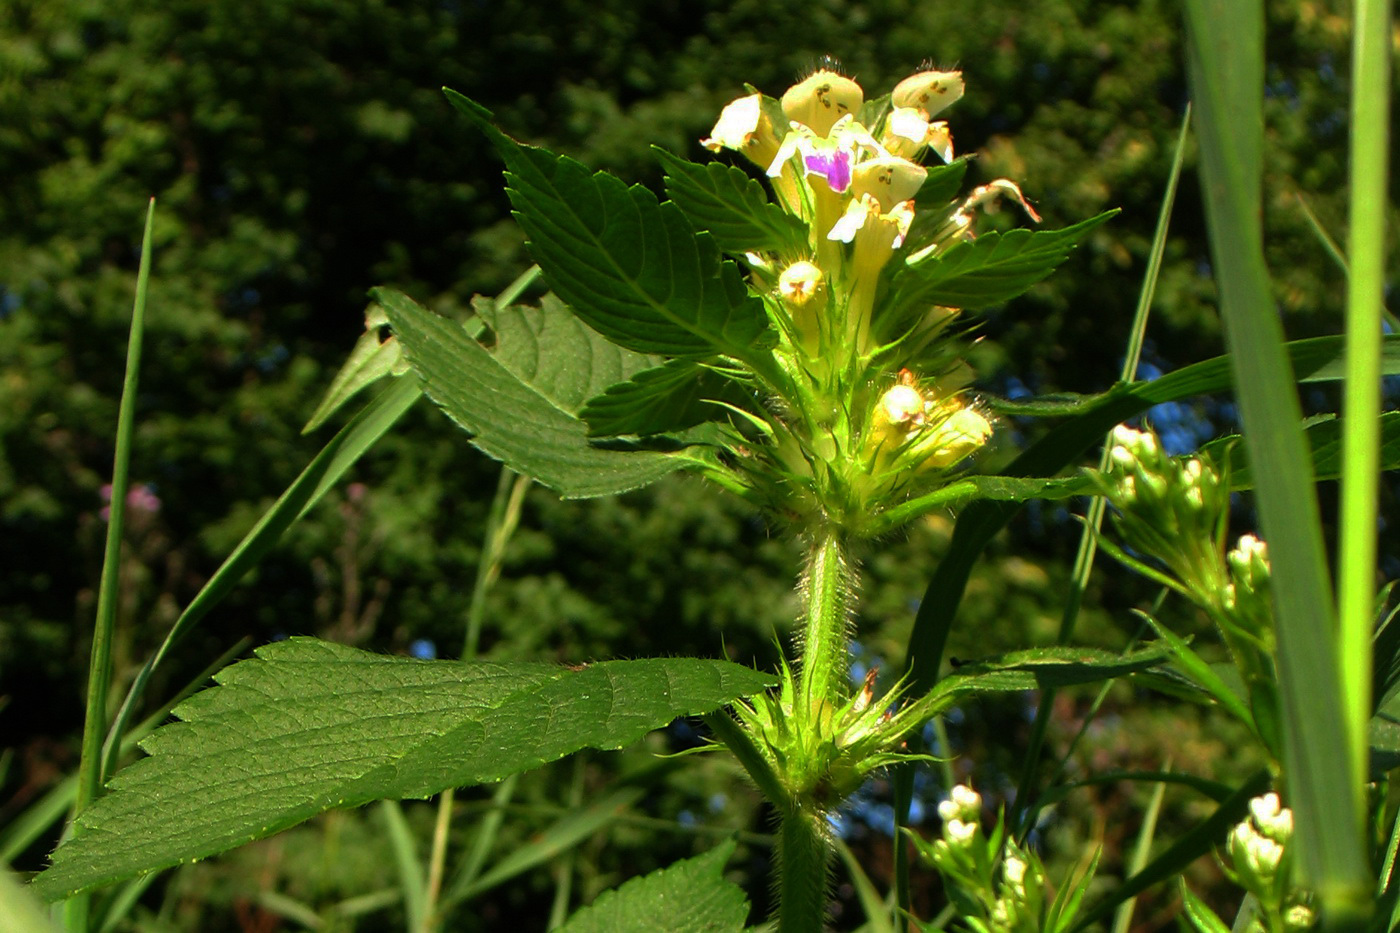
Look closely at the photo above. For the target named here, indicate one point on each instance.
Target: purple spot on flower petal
(835, 167)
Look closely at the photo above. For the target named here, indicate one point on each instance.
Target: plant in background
(993, 884)
(1260, 862)
(1176, 510)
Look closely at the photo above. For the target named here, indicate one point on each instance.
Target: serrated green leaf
(672, 397)
(733, 207)
(633, 269)
(508, 419)
(552, 351)
(994, 268)
(687, 897)
(309, 726)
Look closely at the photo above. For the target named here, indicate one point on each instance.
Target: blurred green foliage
(301, 153)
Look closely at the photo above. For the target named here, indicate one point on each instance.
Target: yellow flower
(889, 179)
(800, 282)
(821, 99)
(928, 91)
(744, 127)
(908, 132)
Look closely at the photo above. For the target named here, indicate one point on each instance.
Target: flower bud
(959, 832)
(821, 99)
(1249, 562)
(1299, 917)
(902, 405)
(960, 434)
(928, 91)
(1274, 821)
(1013, 870)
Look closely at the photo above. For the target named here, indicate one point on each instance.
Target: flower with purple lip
(832, 164)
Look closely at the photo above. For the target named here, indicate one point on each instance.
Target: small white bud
(968, 799)
(1014, 871)
(959, 832)
(1299, 917)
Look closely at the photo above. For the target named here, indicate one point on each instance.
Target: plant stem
(804, 868)
(804, 845)
(437, 859)
(828, 592)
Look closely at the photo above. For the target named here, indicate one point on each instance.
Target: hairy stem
(804, 860)
(828, 594)
(804, 844)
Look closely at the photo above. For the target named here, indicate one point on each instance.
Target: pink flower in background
(141, 498)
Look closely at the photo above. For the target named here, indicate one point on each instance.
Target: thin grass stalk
(564, 868)
(437, 859)
(406, 862)
(1356, 563)
(1088, 540)
(100, 661)
(504, 517)
(1123, 917)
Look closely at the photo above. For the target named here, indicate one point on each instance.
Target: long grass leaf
(1356, 562)
(1123, 917)
(561, 836)
(90, 771)
(100, 669)
(1226, 64)
(406, 862)
(1185, 850)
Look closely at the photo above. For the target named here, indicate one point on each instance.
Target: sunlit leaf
(508, 419)
(733, 207)
(633, 269)
(673, 397)
(310, 726)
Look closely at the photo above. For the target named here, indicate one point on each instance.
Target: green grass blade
(348, 445)
(1335, 251)
(1356, 563)
(877, 912)
(406, 862)
(557, 839)
(1123, 917)
(90, 771)
(117, 909)
(36, 819)
(1226, 63)
(485, 838)
(100, 671)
